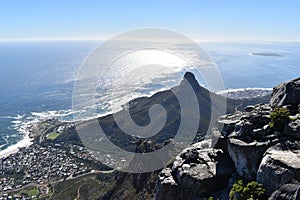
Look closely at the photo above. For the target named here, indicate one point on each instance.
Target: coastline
(30, 129)
(25, 142)
(245, 93)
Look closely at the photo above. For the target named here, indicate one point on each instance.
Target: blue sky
(258, 20)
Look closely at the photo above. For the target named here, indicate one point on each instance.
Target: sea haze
(37, 77)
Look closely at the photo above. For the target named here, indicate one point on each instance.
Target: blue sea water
(36, 78)
(240, 69)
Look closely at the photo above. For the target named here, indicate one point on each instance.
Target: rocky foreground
(245, 145)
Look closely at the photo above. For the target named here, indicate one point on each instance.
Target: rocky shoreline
(32, 132)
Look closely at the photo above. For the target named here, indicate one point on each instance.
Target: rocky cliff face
(197, 171)
(286, 94)
(243, 146)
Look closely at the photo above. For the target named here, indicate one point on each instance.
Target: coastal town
(30, 172)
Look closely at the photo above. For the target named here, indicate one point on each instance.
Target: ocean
(36, 78)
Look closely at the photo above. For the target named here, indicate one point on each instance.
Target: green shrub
(279, 117)
(252, 190)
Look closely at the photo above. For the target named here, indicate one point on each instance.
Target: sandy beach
(25, 142)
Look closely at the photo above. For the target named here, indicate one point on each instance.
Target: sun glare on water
(141, 73)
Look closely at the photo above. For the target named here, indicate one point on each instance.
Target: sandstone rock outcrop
(246, 156)
(196, 172)
(287, 93)
(292, 129)
(287, 192)
(280, 165)
(243, 145)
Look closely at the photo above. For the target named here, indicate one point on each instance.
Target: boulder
(249, 108)
(279, 166)
(241, 124)
(196, 172)
(267, 129)
(258, 133)
(287, 93)
(265, 108)
(259, 120)
(167, 187)
(287, 192)
(218, 141)
(201, 172)
(292, 129)
(227, 123)
(243, 129)
(246, 156)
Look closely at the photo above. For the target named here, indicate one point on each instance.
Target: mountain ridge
(145, 185)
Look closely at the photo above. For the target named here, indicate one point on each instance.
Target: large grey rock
(292, 129)
(196, 172)
(242, 124)
(249, 108)
(243, 128)
(226, 123)
(167, 187)
(287, 93)
(246, 156)
(201, 172)
(287, 192)
(259, 120)
(279, 167)
(218, 141)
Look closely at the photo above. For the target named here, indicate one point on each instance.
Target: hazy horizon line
(57, 39)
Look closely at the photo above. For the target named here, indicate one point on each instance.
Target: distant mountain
(139, 112)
